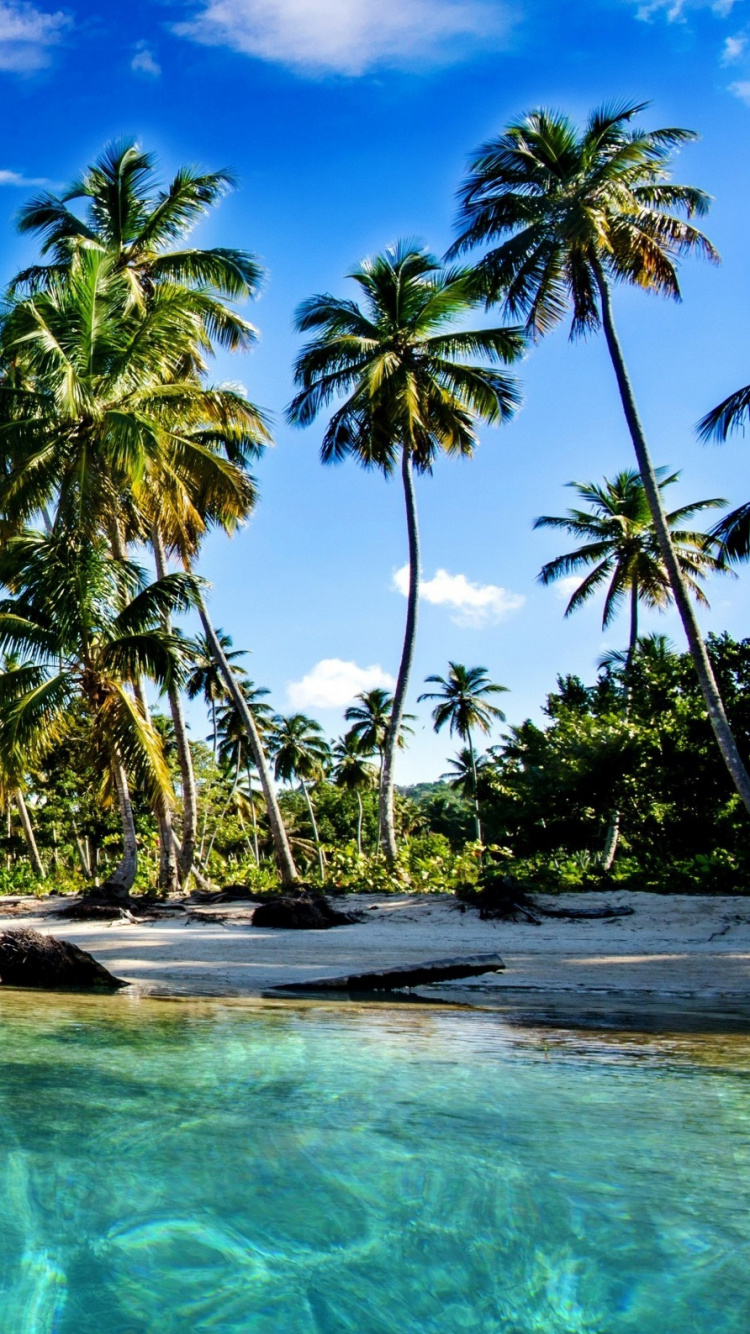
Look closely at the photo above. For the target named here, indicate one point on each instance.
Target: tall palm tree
(370, 716)
(463, 703)
(353, 772)
(83, 625)
(621, 544)
(567, 213)
(465, 770)
(141, 228)
(300, 751)
(400, 361)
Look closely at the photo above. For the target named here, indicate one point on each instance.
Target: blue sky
(349, 123)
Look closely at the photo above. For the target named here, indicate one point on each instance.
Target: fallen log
(584, 914)
(393, 979)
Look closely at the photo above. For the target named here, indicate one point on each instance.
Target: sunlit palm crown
(462, 700)
(566, 204)
(409, 377)
(129, 216)
(103, 419)
(84, 625)
(299, 748)
(621, 544)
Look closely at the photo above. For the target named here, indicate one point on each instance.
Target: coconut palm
(621, 544)
(234, 749)
(370, 716)
(353, 772)
(206, 680)
(463, 703)
(733, 531)
(568, 213)
(465, 770)
(300, 751)
(84, 625)
(129, 216)
(410, 396)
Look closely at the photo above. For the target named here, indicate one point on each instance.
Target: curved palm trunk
(387, 823)
(316, 835)
(613, 829)
(284, 858)
(477, 821)
(28, 833)
(701, 661)
(228, 803)
(120, 882)
(255, 818)
(184, 757)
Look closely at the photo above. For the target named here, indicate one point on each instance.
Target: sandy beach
(675, 953)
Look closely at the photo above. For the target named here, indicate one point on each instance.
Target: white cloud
(144, 61)
(676, 10)
(26, 34)
(332, 683)
(351, 36)
(566, 587)
(741, 89)
(16, 178)
(472, 605)
(734, 49)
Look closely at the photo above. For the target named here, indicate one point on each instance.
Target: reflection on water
(303, 1169)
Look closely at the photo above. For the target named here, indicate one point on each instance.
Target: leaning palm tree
(83, 625)
(409, 395)
(370, 716)
(301, 752)
(463, 703)
(234, 749)
(621, 549)
(353, 772)
(567, 214)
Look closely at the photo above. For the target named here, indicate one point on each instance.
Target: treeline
(115, 440)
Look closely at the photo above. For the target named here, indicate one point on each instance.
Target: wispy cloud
(332, 683)
(734, 49)
(17, 178)
(566, 587)
(351, 36)
(27, 34)
(741, 89)
(144, 61)
(676, 11)
(472, 605)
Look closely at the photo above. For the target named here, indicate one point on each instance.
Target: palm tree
(205, 678)
(400, 360)
(85, 625)
(568, 213)
(370, 716)
(300, 751)
(136, 224)
(464, 705)
(733, 531)
(465, 771)
(353, 772)
(621, 544)
(233, 744)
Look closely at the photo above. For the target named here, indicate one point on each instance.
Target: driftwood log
(412, 975)
(30, 959)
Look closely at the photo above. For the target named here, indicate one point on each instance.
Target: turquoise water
(292, 1169)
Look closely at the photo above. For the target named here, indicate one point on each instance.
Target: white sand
(674, 950)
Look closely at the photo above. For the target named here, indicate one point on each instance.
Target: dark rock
(30, 959)
(301, 912)
(94, 908)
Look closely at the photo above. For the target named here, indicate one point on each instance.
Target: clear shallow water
(291, 1169)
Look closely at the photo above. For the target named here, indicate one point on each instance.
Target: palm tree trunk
(613, 829)
(477, 821)
(168, 879)
(255, 818)
(28, 833)
(284, 858)
(120, 882)
(701, 661)
(228, 803)
(360, 814)
(387, 822)
(316, 835)
(184, 757)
